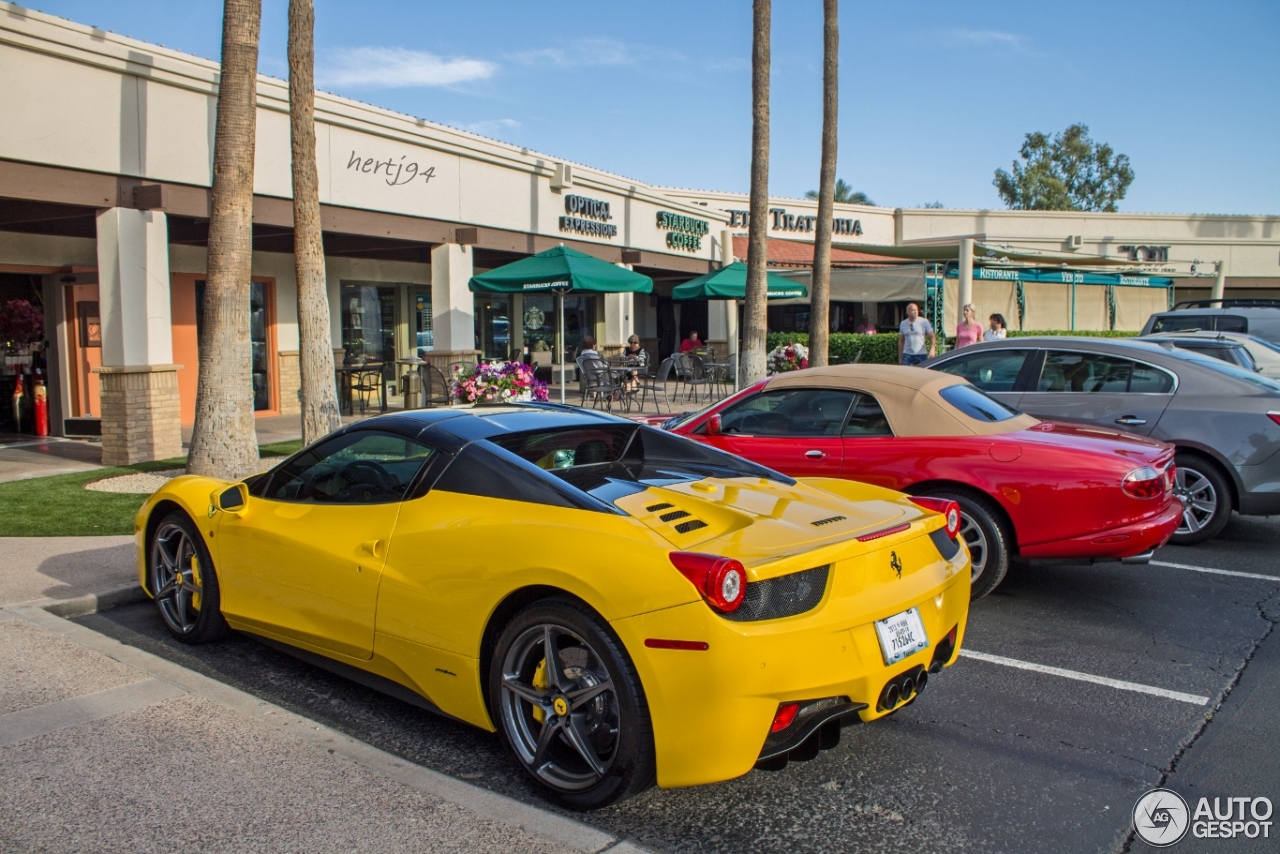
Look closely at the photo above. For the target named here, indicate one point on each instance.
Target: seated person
(691, 343)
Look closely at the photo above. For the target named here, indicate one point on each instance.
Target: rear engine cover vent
(662, 505)
(674, 515)
(784, 596)
(691, 525)
(821, 522)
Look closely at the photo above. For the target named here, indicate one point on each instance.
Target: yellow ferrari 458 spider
(622, 605)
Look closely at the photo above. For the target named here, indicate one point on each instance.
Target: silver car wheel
(175, 576)
(976, 540)
(559, 708)
(1199, 500)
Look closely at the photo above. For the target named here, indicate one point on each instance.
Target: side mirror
(233, 499)
(713, 426)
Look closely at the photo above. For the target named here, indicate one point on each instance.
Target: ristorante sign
(780, 220)
(683, 232)
(587, 216)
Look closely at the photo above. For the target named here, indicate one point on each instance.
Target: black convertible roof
(456, 427)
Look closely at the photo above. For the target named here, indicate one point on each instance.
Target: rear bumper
(1121, 542)
(712, 709)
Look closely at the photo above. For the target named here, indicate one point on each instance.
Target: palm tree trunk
(756, 317)
(224, 443)
(320, 414)
(820, 294)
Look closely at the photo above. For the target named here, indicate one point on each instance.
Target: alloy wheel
(1199, 500)
(175, 574)
(559, 708)
(976, 540)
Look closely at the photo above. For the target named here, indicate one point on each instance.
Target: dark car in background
(1260, 317)
(1223, 419)
(1238, 348)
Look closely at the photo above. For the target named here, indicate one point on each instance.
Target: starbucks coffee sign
(683, 232)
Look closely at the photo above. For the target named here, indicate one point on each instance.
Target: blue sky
(935, 96)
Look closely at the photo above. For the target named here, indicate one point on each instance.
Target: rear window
(561, 449)
(1181, 322)
(975, 404)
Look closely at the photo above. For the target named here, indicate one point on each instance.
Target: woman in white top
(996, 330)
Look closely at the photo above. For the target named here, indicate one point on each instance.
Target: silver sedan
(1224, 420)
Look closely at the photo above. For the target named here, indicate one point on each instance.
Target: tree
(845, 194)
(223, 443)
(1070, 172)
(320, 414)
(820, 295)
(755, 312)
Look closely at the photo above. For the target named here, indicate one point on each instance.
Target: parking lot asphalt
(1082, 688)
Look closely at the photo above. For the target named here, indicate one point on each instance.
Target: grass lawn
(60, 506)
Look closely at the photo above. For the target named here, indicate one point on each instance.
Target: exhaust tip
(922, 679)
(892, 695)
(908, 688)
(1143, 558)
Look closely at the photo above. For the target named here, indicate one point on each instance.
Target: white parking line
(1215, 571)
(1194, 699)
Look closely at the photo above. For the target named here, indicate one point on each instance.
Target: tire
(182, 581)
(1206, 497)
(988, 537)
(599, 748)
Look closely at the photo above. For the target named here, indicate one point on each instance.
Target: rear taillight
(783, 719)
(948, 508)
(1274, 416)
(1144, 482)
(1170, 477)
(722, 581)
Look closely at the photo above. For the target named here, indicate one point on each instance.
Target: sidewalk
(105, 747)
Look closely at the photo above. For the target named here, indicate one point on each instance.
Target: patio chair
(657, 384)
(365, 384)
(435, 386)
(696, 377)
(597, 383)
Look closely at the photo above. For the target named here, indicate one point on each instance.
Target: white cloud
(590, 51)
(488, 127)
(988, 38)
(394, 67)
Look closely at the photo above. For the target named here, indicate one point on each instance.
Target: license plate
(901, 635)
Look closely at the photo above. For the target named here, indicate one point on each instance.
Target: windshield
(678, 421)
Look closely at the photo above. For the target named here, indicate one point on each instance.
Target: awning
(875, 284)
(730, 282)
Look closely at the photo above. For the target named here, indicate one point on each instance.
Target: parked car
(1224, 420)
(1247, 351)
(1260, 317)
(1025, 487)
(620, 604)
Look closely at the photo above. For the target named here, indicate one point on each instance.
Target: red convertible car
(1026, 488)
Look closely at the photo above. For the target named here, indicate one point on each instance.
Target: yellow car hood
(755, 519)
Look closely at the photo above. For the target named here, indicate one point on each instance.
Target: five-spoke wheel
(183, 582)
(1206, 500)
(569, 705)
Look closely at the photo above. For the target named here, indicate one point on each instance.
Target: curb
(567, 833)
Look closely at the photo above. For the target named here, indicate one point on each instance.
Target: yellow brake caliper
(195, 579)
(540, 682)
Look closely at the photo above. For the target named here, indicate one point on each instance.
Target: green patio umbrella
(730, 282)
(562, 270)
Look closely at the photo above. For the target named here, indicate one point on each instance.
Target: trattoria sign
(683, 232)
(587, 216)
(780, 220)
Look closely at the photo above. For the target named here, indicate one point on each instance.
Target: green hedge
(882, 349)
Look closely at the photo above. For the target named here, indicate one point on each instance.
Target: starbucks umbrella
(730, 282)
(562, 270)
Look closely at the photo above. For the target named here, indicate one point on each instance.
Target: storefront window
(540, 326)
(369, 322)
(424, 340)
(493, 327)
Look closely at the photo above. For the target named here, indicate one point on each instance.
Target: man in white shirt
(911, 336)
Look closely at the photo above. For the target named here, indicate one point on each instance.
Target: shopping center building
(106, 152)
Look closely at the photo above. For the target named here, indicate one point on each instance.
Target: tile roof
(794, 253)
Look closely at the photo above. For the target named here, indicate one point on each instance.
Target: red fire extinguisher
(19, 402)
(41, 409)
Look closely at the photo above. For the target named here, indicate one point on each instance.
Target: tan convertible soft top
(908, 396)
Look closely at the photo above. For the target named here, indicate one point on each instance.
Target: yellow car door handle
(377, 548)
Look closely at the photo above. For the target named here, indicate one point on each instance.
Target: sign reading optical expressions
(587, 216)
(683, 232)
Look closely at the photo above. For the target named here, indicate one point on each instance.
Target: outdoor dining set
(631, 382)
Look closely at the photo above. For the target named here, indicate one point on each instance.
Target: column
(140, 409)
(619, 321)
(452, 305)
(1220, 281)
(966, 280)
(730, 309)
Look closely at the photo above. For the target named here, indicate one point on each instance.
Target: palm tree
(755, 314)
(320, 414)
(844, 192)
(820, 294)
(224, 443)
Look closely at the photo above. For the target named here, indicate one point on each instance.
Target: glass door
(493, 327)
(260, 322)
(368, 322)
(422, 330)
